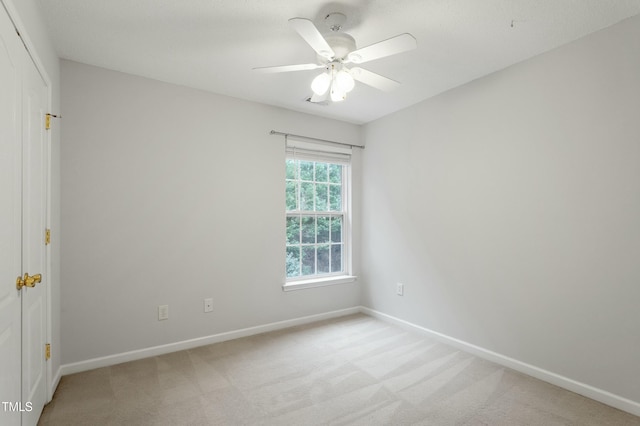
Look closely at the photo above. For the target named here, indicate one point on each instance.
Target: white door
(10, 219)
(23, 174)
(34, 300)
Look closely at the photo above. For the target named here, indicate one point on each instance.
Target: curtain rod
(273, 132)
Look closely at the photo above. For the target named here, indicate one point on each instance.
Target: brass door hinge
(47, 120)
(47, 237)
(47, 351)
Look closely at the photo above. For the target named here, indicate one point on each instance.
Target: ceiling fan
(335, 51)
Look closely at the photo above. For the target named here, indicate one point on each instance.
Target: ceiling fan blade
(392, 46)
(287, 68)
(372, 79)
(311, 35)
(317, 99)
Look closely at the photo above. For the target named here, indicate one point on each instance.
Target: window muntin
(315, 219)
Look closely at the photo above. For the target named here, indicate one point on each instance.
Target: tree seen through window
(314, 218)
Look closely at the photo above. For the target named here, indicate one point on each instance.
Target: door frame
(51, 382)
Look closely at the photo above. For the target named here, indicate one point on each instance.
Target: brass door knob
(28, 281)
(31, 281)
(19, 283)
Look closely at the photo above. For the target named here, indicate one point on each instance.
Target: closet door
(34, 299)
(11, 59)
(23, 183)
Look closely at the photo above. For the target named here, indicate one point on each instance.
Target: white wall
(27, 17)
(510, 209)
(171, 195)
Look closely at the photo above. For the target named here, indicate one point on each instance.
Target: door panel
(33, 247)
(33, 367)
(10, 217)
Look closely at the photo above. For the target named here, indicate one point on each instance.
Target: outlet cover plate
(208, 305)
(163, 312)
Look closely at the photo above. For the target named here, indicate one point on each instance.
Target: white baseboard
(600, 395)
(109, 360)
(55, 382)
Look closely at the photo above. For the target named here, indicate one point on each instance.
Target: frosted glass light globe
(320, 84)
(337, 95)
(344, 81)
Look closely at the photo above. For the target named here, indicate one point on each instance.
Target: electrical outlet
(400, 289)
(163, 312)
(208, 305)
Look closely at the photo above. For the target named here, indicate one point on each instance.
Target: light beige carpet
(354, 370)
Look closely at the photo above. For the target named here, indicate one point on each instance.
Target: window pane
(308, 260)
(308, 230)
(293, 230)
(336, 258)
(321, 172)
(335, 198)
(306, 196)
(323, 229)
(291, 169)
(306, 170)
(323, 259)
(293, 261)
(315, 243)
(335, 173)
(292, 195)
(321, 197)
(336, 229)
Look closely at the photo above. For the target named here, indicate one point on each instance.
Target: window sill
(318, 282)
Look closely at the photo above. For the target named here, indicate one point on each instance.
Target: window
(317, 219)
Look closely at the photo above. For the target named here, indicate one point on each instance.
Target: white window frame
(306, 151)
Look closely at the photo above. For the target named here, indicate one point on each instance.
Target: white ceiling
(213, 44)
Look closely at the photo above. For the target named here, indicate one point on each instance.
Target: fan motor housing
(341, 43)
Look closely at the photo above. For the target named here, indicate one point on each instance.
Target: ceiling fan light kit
(338, 82)
(337, 49)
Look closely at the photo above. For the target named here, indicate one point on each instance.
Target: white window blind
(317, 151)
